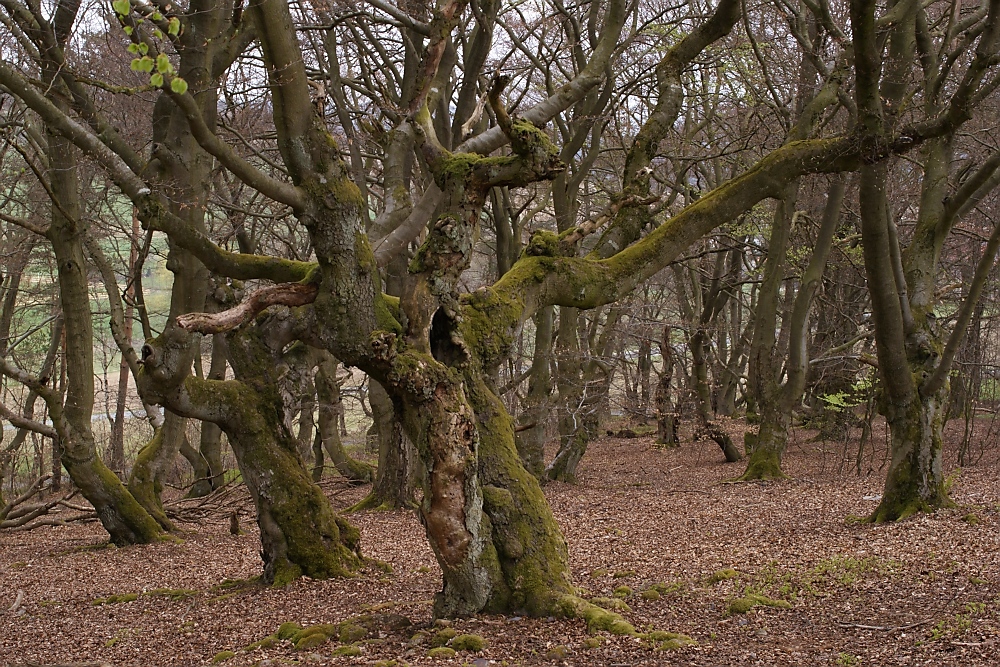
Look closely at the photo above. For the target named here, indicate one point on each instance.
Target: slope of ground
(756, 574)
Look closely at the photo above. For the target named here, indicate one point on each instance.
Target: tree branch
(294, 294)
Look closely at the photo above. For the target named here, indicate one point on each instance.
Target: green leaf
(157, 16)
(156, 80)
(163, 64)
(174, 26)
(121, 7)
(158, 34)
(136, 65)
(146, 64)
(143, 48)
(133, 48)
(178, 85)
(127, 29)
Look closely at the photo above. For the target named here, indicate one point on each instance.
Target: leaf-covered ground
(755, 574)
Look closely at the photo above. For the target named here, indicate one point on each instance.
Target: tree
(435, 348)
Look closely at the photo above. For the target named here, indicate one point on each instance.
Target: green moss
(623, 592)
(349, 632)
(116, 599)
(172, 593)
(666, 589)
(441, 652)
(542, 243)
(651, 594)
(471, 643)
(222, 656)
(764, 464)
(288, 630)
(674, 644)
(557, 653)
(744, 604)
(306, 642)
(443, 636)
(721, 575)
(600, 572)
(611, 604)
(622, 574)
(971, 519)
(592, 642)
(668, 641)
(597, 618)
(349, 651)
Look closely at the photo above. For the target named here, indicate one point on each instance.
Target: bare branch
(293, 294)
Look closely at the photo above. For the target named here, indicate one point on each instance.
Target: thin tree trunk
(117, 445)
(666, 415)
(330, 406)
(534, 420)
(395, 478)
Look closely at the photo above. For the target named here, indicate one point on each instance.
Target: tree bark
(395, 478)
(300, 532)
(535, 418)
(667, 418)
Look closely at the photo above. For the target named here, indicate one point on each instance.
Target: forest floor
(925, 591)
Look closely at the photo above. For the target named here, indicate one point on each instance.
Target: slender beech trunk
(206, 461)
(395, 479)
(124, 519)
(777, 403)
(534, 420)
(666, 415)
(572, 399)
(117, 446)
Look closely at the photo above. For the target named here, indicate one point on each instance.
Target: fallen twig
(24, 497)
(885, 628)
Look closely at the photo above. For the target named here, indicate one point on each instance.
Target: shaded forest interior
(461, 276)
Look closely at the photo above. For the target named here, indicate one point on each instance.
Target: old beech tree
(433, 348)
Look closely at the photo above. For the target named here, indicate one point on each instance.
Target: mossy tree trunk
(913, 358)
(182, 170)
(124, 519)
(776, 401)
(301, 534)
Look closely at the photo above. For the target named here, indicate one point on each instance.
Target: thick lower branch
(294, 294)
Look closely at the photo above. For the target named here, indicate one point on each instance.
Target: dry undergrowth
(769, 574)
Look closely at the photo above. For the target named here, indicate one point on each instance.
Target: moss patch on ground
(746, 603)
(349, 631)
(471, 643)
(170, 593)
(721, 575)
